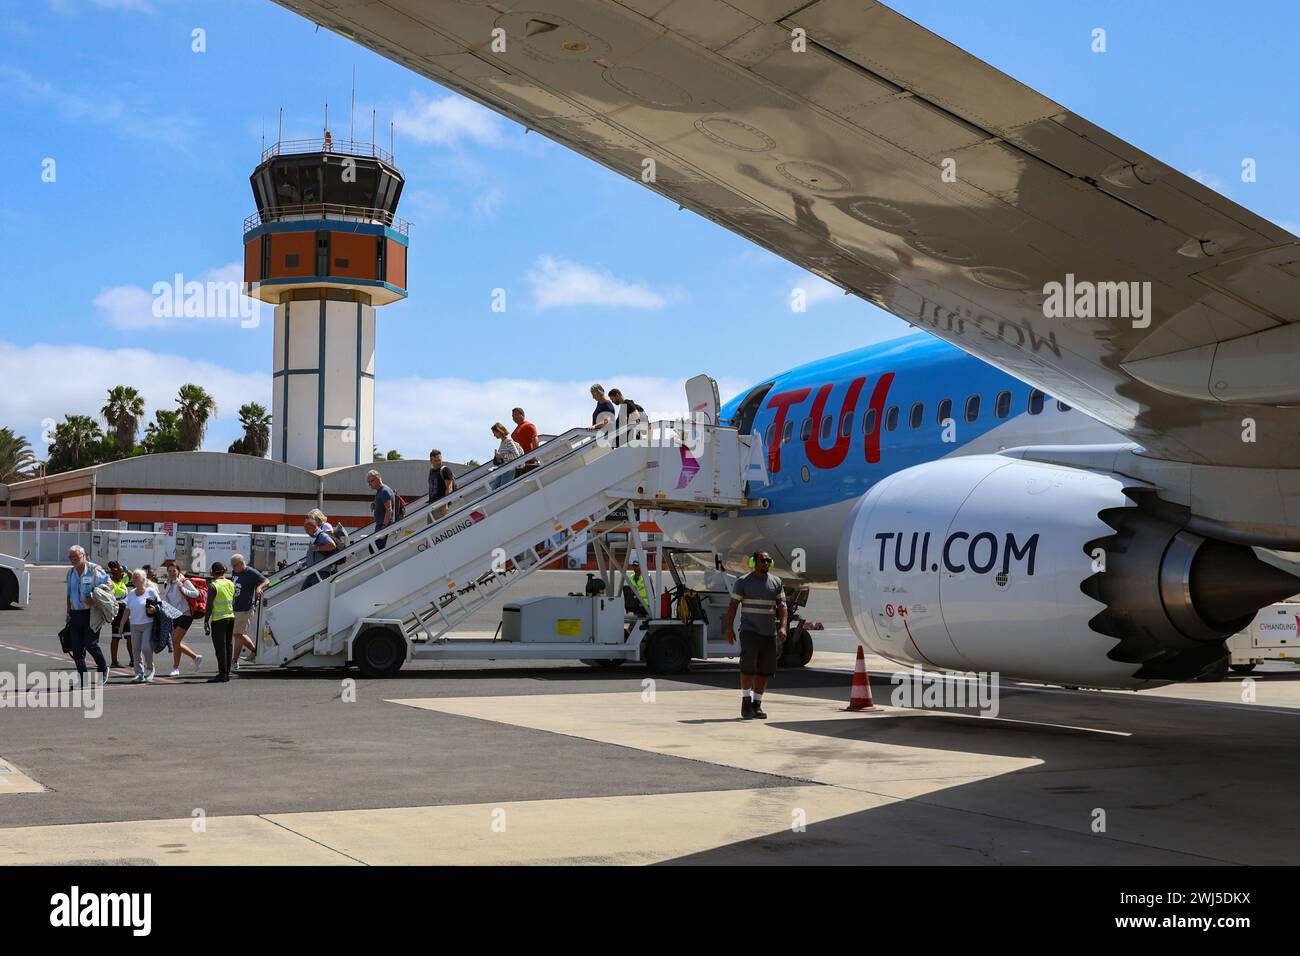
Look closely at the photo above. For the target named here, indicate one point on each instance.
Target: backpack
(198, 605)
(340, 536)
(399, 507)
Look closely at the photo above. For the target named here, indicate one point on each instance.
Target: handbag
(169, 610)
(65, 640)
(151, 607)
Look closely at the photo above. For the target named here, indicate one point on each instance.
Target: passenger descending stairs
(444, 561)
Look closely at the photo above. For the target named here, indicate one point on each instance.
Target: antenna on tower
(352, 128)
(327, 116)
(372, 132)
(390, 139)
(279, 136)
(264, 132)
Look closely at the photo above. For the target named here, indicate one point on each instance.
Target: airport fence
(46, 540)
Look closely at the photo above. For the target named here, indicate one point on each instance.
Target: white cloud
(48, 382)
(488, 204)
(216, 298)
(137, 119)
(455, 415)
(814, 290)
(447, 121)
(559, 283)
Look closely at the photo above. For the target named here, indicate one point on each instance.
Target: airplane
(866, 149)
(848, 421)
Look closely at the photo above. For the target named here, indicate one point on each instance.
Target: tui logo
(690, 467)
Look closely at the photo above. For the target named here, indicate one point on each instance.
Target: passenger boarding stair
(445, 560)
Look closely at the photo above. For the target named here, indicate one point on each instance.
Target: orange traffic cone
(860, 696)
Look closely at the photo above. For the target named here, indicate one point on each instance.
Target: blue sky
(154, 143)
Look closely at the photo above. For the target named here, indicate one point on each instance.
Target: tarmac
(499, 763)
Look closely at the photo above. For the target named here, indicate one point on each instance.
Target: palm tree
(195, 407)
(123, 412)
(75, 442)
(17, 462)
(164, 433)
(257, 429)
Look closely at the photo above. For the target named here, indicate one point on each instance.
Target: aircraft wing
(853, 142)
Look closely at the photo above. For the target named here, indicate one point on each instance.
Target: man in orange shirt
(525, 433)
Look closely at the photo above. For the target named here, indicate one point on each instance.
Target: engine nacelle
(1044, 573)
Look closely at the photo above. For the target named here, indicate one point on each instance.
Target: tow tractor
(1273, 635)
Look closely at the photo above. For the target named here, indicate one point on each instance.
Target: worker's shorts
(757, 654)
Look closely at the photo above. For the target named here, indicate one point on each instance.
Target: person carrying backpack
(182, 592)
(384, 505)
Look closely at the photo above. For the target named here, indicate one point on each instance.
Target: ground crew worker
(121, 581)
(219, 621)
(761, 599)
(638, 583)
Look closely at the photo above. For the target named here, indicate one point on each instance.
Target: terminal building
(208, 491)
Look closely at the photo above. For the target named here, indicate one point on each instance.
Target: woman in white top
(176, 591)
(141, 624)
(506, 452)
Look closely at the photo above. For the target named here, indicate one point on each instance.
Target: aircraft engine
(1044, 573)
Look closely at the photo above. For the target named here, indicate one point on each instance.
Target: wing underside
(864, 148)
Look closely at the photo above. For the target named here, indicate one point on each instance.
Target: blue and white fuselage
(834, 427)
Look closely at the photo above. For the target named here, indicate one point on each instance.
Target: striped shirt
(760, 596)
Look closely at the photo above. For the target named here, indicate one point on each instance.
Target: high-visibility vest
(120, 587)
(221, 598)
(638, 582)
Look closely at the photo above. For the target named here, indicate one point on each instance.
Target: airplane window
(944, 413)
(805, 430)
(846, 424)
(869, 421)
(1036, 399)
(891, 418)
(771, 433)
(827, 422)
(1002, 406)
(972, 408)
(787, 433)
(1062, 406)
(916, 416)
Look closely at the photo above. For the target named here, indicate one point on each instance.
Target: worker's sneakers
(746, 708)
(757, 711)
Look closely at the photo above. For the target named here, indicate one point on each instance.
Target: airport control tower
(325, 249)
